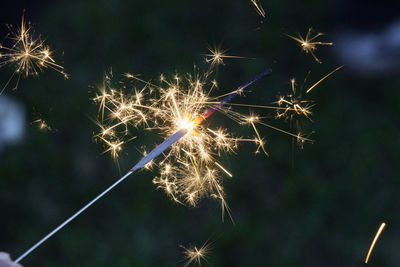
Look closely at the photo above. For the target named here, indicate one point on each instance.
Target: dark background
(319, 206)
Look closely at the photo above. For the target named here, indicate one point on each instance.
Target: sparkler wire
(149, 157)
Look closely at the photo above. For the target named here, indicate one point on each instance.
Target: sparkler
(184, 125)
(29, 55)
(308, 44)
(374, 241)
(190, 170)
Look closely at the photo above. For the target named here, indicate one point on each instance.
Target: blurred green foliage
(319, 206)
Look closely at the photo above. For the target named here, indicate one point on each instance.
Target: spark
(113, 146)
(309, 44)
(216, 56)
(43, 126)
(258, 7)
(323, 78)
(293, 104)
(374, 241)
(225, 170)
(28, 55)
(252, 119)
(292, 107)
(196, 255)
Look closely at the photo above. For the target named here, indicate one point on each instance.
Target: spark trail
(153, 154)
(374, 241)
